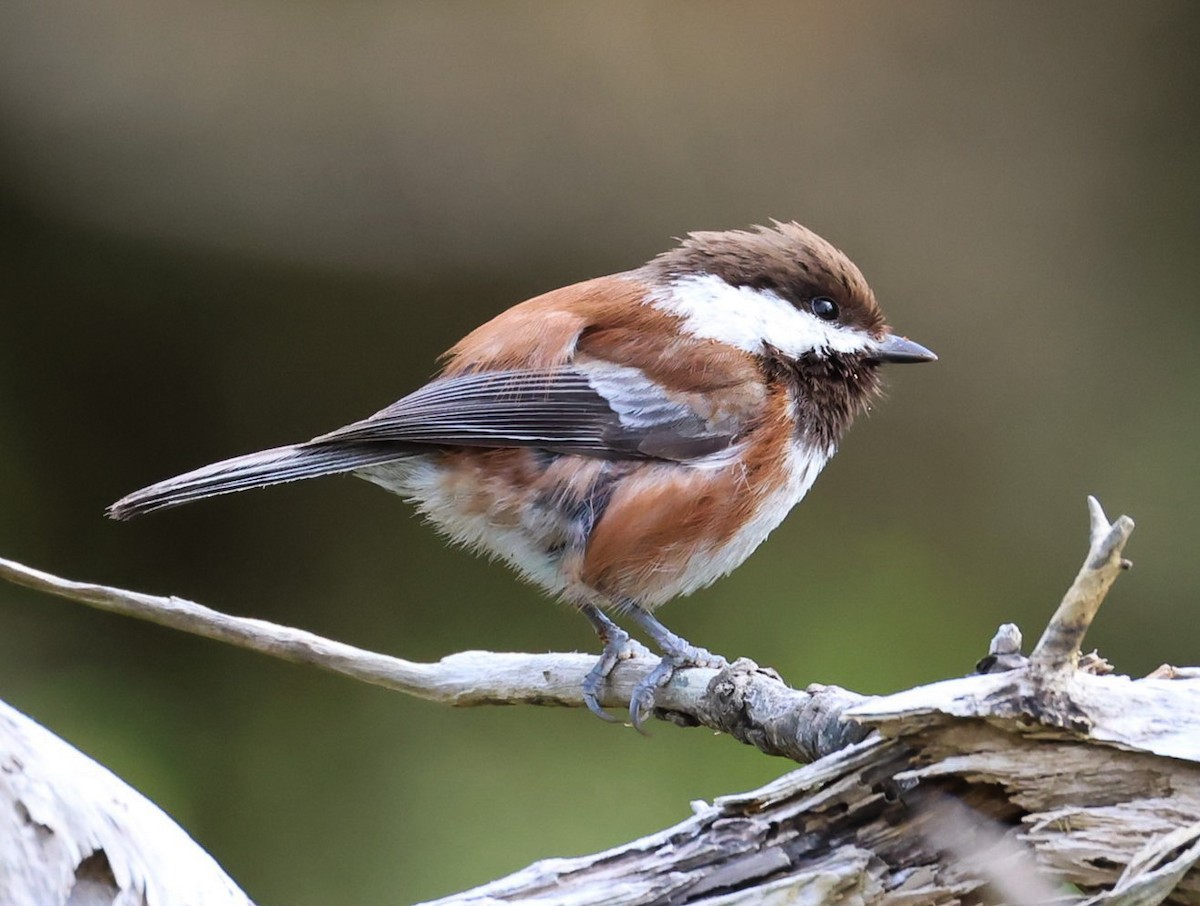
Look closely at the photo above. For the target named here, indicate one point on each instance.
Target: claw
(614, 649)
(677, 653)
(642, 701)
(618, 646)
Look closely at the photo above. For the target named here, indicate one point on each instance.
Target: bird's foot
(679, 657)
(678, 653)
(619, 645)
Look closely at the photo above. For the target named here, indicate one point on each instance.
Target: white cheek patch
(749, 318)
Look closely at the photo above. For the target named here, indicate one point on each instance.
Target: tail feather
(254, 470)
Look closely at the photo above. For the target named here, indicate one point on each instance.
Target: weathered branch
(996, 787)
(743, 700)
(72, 833)
(1095, 780)
(1059, 646)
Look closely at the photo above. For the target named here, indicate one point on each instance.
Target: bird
(625, 440)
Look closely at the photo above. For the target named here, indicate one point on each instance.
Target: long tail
(254, 470)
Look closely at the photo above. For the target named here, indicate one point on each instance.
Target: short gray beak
(899, 350)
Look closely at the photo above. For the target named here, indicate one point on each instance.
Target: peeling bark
(1039, 779)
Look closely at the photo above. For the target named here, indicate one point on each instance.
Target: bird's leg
(618, 645)
(677, 653)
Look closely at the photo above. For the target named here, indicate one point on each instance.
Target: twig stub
(1059, 647)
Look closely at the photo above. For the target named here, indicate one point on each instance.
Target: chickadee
(624, 440)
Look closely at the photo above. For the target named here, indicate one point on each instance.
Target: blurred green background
(230, 225)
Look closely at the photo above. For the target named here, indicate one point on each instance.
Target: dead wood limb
(73, 833)
(966, 784)
(747, 702)
(1060, 644)
(960, 787)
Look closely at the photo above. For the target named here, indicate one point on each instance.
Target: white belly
(536, 540)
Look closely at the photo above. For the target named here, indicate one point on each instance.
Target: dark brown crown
(786, 258)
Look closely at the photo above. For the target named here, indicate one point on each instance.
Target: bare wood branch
(72, 833)
(1117, 820)
(747, 702)
(1060, 644)
(960, 788)
(857, 826)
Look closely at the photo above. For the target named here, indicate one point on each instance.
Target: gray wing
(599, 409)
(607, 411)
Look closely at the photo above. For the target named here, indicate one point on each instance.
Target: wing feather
(607, 411)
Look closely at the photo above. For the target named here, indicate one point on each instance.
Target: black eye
(824, 308)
